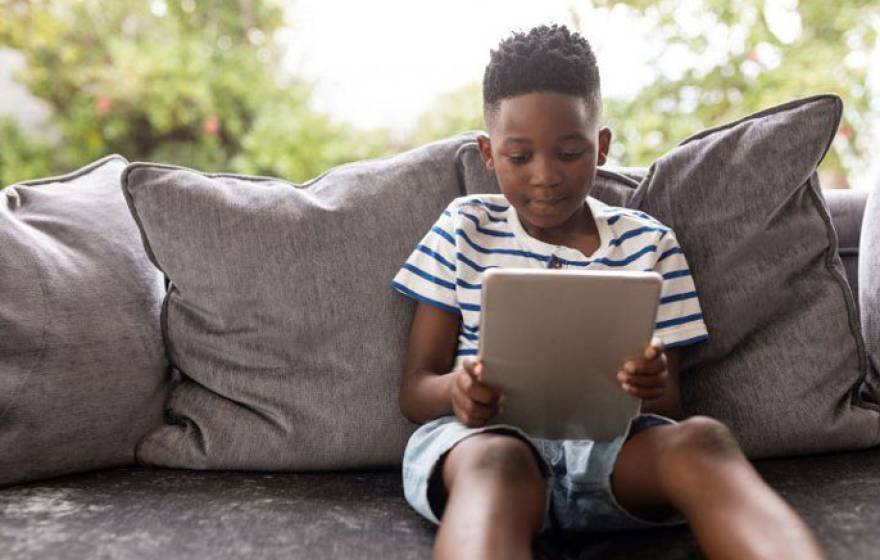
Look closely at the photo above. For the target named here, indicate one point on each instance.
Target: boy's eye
(518, 158)
(569, 156)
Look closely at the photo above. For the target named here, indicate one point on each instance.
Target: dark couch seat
(140, 513)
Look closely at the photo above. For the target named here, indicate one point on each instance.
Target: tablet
(553, 341)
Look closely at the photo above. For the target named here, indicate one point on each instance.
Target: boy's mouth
(546, 201)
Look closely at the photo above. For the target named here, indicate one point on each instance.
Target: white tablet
(553, 341)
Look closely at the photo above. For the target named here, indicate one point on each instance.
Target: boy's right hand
(473, 402)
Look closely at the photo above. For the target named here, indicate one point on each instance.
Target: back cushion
(869, 288)
(280, 315)
(83, 372)
(847, 208)
(785, 360)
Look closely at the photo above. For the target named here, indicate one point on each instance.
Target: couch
(136, 512)
(351, 512)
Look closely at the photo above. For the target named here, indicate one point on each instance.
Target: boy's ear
(604, 144)
(485, 146)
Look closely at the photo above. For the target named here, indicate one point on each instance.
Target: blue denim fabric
(578, 474)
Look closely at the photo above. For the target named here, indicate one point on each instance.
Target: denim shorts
(578, 474)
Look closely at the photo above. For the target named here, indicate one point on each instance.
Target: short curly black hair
(544, 59)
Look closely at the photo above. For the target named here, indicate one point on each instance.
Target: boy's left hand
(646, 378)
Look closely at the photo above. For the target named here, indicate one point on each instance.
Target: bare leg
(496, 499)
(697, 468)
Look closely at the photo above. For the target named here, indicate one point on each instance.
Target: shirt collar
(597, 208)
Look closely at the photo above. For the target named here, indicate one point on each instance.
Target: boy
(495, 487)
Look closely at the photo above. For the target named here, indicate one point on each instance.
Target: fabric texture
(869, 289)
(279, 317)
(83, 372)
(847, 207)
(476, 233)
(785, 360)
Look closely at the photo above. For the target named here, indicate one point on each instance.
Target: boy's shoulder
(493, 203)
(478, 209)
(625, 219)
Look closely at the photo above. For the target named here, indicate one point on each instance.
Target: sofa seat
(141, 513)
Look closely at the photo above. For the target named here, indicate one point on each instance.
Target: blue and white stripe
(479, 232)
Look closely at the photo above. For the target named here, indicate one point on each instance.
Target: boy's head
(542, 106)
(549, 59)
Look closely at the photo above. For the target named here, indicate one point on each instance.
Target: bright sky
(381, 63)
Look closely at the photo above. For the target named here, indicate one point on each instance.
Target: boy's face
(544, 148)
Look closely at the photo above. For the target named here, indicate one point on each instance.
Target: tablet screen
(553, 341)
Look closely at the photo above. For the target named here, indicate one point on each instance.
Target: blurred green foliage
(195, 82)
(177, 81)
(752, 54)
(453, 112)
(742, 56)
(21, 158)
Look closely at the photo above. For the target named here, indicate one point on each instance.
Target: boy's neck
(580, 227)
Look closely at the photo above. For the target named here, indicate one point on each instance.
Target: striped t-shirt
(479, 232)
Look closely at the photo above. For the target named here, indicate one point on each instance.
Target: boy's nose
(545, 173)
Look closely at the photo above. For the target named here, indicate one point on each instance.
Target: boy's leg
(496, 498)
(697, 468)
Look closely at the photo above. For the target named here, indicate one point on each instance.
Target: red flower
(211, 126)
(103, 104)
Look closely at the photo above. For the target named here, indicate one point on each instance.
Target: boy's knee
(497, 455)
(697, 440)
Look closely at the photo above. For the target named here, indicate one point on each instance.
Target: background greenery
(199, 87)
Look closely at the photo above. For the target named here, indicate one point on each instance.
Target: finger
(469, 389)
(475, 411)
(478, 370)
(474, 368)
(642, 367)
(646, 381)
(464, 381)
(482, 393)
(647, 394)
(461, 406)
(655, 348)
(465, 418)
(469, 365)
(649, 367)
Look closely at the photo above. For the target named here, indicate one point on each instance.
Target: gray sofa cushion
(82, 366)
(869, 287)
(785, 357)
(847, 207)
(280, 316)
(136, 513)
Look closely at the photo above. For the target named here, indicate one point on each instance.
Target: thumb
(470, 367)
(478, 370)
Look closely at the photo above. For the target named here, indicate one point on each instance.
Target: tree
(746, 55)
(456, 111)
(186, 82)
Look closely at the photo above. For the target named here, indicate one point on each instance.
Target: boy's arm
(425, 393)
(668, 404)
